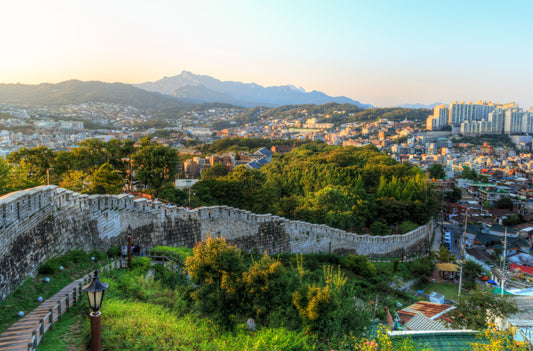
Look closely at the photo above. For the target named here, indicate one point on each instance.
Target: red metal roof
(428, 309)
(525, 269)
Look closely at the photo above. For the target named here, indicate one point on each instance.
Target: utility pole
(504, 266)
(48, 175)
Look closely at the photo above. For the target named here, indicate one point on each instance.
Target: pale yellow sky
(380, 52)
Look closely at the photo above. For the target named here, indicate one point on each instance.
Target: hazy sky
(379, 52)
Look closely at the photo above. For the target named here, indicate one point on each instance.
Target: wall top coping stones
(61, 191)
(13, 197)
(294, 224)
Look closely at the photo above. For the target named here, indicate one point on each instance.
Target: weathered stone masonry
(40, 223)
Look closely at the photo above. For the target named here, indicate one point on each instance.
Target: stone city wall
(43, 222)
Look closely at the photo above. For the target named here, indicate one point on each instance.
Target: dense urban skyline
(384, 53)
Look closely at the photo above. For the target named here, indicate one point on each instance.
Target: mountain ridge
(76, 91)
(193, 87)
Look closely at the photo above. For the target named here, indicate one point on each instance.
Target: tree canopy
(479, 307)
(344, 187)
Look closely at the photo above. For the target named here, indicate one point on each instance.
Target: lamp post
(95, 292)
(48, 175)
(129, 245)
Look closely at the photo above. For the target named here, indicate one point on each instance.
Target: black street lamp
(95, 292)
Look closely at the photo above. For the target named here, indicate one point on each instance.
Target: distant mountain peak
(209, 89)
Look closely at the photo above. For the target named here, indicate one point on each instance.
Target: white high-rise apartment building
(476, 127)
(527, 122)
(497, 117)
(460, 112)
(513, 121)
(439, 119)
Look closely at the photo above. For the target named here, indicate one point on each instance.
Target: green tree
(513, 219)
(407, 226)
(216, 171)
(216, 268)
(317, 306)
(173, 194)
(5, 169)
(504, 202)
(445, 255)
(471, 270)
(480, 307)
(436, 171)
(379, 228)
(36, 160)
(422, 268)
(106, 180)
(360, 265)
(22, 177)
(77, 181)
(266, 283)
(455, 195)
(155, 164)
(469, 173)
(254, 193)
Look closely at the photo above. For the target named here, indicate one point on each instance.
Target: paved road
(456, 234)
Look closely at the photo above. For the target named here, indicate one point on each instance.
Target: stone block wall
(43, 222)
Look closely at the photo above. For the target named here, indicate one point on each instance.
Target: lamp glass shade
(95, 299)
(95, 292)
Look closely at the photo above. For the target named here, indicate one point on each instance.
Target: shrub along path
(28, 332)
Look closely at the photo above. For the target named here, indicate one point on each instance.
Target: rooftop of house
(429, 309)
(421, 322)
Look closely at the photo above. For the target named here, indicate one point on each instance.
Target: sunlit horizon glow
(380, 52)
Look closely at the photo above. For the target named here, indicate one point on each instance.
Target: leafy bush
(360, 265)
(422, 268)
(140, 264)
(406, 227)
(380, 228)
(169, 278)
(114, 251)
(75, 256)
(216, 268)
(98, 255)
(395, 265)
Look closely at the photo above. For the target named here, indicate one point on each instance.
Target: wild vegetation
(356, 189)
(344, 187)
(298, 302)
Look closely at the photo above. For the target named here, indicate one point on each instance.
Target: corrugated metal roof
(421, 322)
(429, 309)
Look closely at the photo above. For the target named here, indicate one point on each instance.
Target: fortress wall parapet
(42, 222)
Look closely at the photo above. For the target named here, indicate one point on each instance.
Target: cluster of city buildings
(193, 168)
(482, 117)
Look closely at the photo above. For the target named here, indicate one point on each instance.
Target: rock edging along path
(28, 332)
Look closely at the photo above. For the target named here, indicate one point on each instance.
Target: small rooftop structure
(429, 309)
(436, 297)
